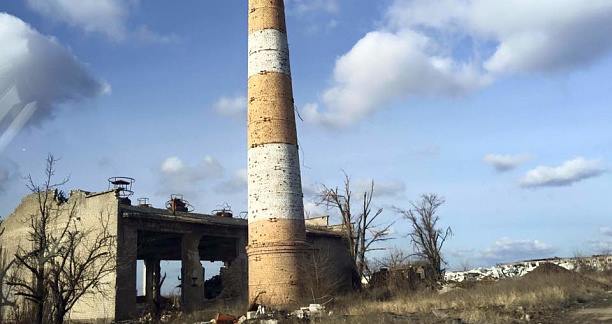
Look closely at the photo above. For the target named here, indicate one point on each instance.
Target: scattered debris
(519, 269)
(312, 311)
(263, 315)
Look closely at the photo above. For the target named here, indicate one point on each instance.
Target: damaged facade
(154, 235)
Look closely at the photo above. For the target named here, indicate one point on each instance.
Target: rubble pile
(519, 269)
(492, 273)
(263, 315)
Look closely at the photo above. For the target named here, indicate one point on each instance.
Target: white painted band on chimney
(275, 189)
(268, 52)
(279, 205)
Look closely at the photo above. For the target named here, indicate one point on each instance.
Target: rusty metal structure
(177, 203)
(277, 238)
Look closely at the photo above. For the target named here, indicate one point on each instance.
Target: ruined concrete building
(277, 238)
(173, 234)
(283, 257)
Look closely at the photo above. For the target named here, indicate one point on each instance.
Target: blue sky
(501, 108)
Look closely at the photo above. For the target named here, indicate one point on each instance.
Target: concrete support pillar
(277, 237)
(241, 262)
(192, 274)
(126, 290)
(151, 277)
(144, 278)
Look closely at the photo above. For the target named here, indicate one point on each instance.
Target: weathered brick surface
(272, 231)
(266, 14)
(277, 247)
(276, 273)
(271, 117)
(270, 86)
(267, 130)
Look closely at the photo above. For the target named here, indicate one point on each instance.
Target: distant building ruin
(153, 234)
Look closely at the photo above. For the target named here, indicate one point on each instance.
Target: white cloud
(231, 106)
(172, 165)
(107, 17)
(312, 209)
(506, 250)
(568, 173)
(36, 75)
(146, 35)
(503, 163)
(237, 183)
(8, 173)
(540, 36)
(389, 188)
(606, 231)
(178, 177)
(384, 66)
(601, 246)
(310, 189)
(309, 6)
(412, 52)
(316, 15)
(383, 188)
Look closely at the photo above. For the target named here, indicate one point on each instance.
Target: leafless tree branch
(426, 235)
(361, 231)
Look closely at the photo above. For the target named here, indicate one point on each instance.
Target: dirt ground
(595, 311)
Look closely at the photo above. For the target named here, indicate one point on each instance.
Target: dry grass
(492, 302)
(506, 301)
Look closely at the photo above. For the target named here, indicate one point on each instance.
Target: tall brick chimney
(277, 238)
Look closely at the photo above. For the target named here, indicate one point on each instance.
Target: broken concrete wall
(320, 221)
(91, 210)
(234, 280)
(329, 266)
(88, 212)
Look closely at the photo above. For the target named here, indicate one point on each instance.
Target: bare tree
(85, 257)
(361, 230)
(5, 266)
(43, 237)
(64, 260)
(426, 235)
(158, 280)
(394, 259)
(398, 272)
